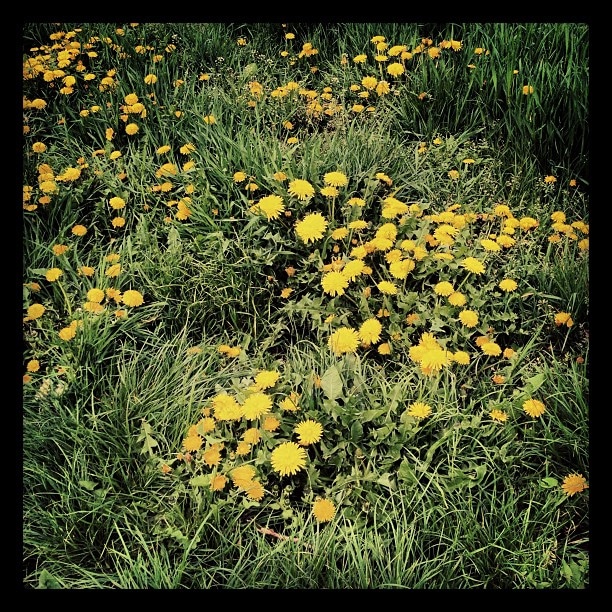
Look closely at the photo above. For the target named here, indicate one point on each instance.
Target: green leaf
(331, 383)
(90, 485)
(200, 481)
(405, 472)
(386, 481)
(534, 383)
(549, 483)
(356, 431)
(47, 581)
(369, 415)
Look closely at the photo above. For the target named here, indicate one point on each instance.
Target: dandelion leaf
(331, 383)
(47, 581)
(200, 481)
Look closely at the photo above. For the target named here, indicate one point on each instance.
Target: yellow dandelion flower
(469, 318)
(79, 230)
(358, 224)
(353, 269)
(334, 283)
(288, 458)
(329, 191)
(323, 510)
(117, 203)
(433, 359)
(444, 288)
(457, 299)
(205, 425)
(226, 407)
(335, 179)
(271, 206)
(370, 330)
(339, 233)
(242, 476)
(387, 288)
(132, 298)
(574, 483)
(67, 333)
(563, 318)
(243, 448)
(344, 340)
(59, 249)
(251, 435)
(308, 432)
(384, 348)
(400, 269)
(461, 357)
(508, 285)
(266, 379)
(527, 223)
(255, 490)
(490, 245)
(290, 403)
(534, 408)
(490, 348)
(192, 443)
(33, 365)
(95, 295)
(53, 274)
(270, 423)
(218, 482)
(301, 189)
(473, 265)
(311, 228)
(419, 410)
(498, 415)
(255, 405)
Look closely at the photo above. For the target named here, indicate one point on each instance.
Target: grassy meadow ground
(305, 306)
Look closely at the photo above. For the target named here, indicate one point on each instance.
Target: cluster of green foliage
(459, 499)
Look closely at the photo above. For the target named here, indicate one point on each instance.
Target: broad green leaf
(331, 383)
(90, 485)
(534, 383)
(369, 415)
(386, 481)
(47, 581)
(356, 431)
(549, 483)
(200, 481)
(405, 472)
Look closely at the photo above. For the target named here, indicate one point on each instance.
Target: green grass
(468, 494)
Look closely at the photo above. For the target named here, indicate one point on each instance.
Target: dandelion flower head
(534, 407)
(301, 189)
(419, 410)
(266, 379)
(311, 228)
(256, 404)
(344, 340)
(308, 432)
(271, 206)
(507, 285)
(288, 458)
(574, 483)
(335, 179)
(370, 330)
(334, 283)
(473, 265)
(323, 510)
